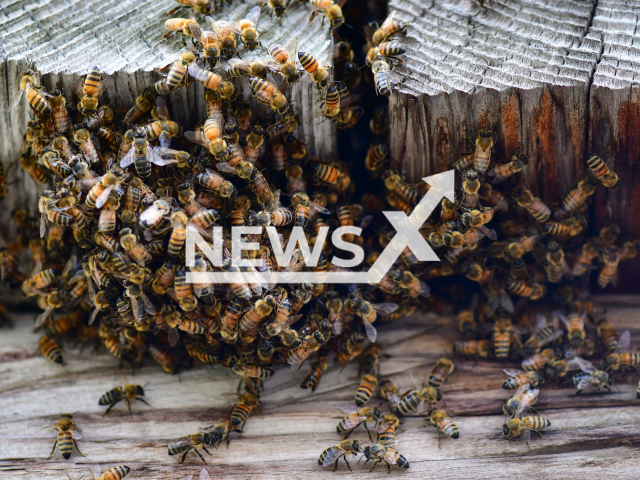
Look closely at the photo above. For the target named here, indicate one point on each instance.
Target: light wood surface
(591, 436)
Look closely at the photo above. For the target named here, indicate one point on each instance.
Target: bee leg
(205, 449)
(111, 406)
(536, 431)
(200, 455)
(388, 466)
(143, 401)
(374, 466)
(438, 432)
(76, 444)
(608, 388)
(242, 426)
(368, 432)
(349, 433)
(346, 461)
(578, 392)
(185, 454)
(53, 449)
(128, 405)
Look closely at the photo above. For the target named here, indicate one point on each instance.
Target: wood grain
(592, 436)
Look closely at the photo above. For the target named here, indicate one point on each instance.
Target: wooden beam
(296, 426)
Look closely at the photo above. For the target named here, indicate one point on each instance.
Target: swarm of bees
(123, 191)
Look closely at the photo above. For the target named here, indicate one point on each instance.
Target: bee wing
(332, 456)
(156, 159)
(623, 342)
(389, 19)
(586, 382)
(76, 433)
(585, 365)
(489, 232)
(372, 334)
(16, 98)
(151, 215)
(102, 199)
(174, 336)
(164, 139)
(348, 409)
(182, 442)
(559, 316)
(254, 15)
(43, 317)
(527, 436)
(204, 475)
(417, 380)
(319, 208)
(512, 372)
(128, 158)
(220, 26)
(366, 221)
(521, 389)
(225, 167)
(167, 152)
(385, 307)
(196, 137)
(556, 334)
(541, 322)
(77, 88)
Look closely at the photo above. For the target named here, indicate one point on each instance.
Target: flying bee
(524, 397)
(443, 423)
(194, 441)
(503, 171)
(601, 172)
(332, 12)
(538, 210)
(318, 73)
(36, 96)
(356, 417)
(384, 453)
(525, 425)
(267, 93)
(333, 454)
(141, 155)
(212, 81)
(518, 378)
(591, 377)
(248, 27)
(383, 33)
(128, 393)
(89, 91)
(67, 434)
(621, 357)
(575, 327)
(424, 395)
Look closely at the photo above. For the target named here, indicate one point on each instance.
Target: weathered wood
(592, 436)
(66, 39)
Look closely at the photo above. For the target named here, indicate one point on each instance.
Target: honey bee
(200, 6)
(36, 96)
(384, 78)
(525, 425)
(443, 423)
(384, 453)
(128, 393)
(89, 91)
(542, 334)
(423, 395)
(577, 197)
(318, 73)
(247, 68)
(524, 397)
(113, 473)
(356, 417)
(470, 187)
(141, 155)
(591, 377)
(250, 375)
(260, 310)
(557, 266)
(248, 27)
(67, 434)
(241, 411)
(356, 305)
(584, 258)
(267, 93)
(141, 107)
(194, 441)
(608, 335)
(318, 365)
(601, 172)
(50, 349)
(226, 32)
(284, 62)
(518, 378)
(332, 12)
(303, 208)
(506, 170)
(441, 372)
(211, 81)
(59, 112)
(575, 327)
(333, 454)
(386, 50)
(620, 357)
(609, 272)
(389, 28)
(214, 182)
(153, 215)
(538, 210)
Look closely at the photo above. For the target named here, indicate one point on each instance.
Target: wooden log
(554, 80)
(285, 440)
(66, 39)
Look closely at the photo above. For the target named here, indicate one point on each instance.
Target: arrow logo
(407, 235)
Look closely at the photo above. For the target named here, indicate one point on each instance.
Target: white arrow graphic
(408, 235)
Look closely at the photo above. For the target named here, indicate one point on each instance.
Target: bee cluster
(421, 399)
(124, 191)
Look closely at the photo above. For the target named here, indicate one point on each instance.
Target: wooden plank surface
(592, 436)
